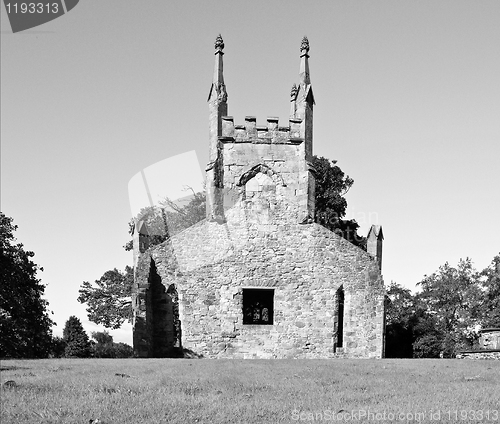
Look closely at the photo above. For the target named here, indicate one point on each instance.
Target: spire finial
(304, 45)
(219, 44)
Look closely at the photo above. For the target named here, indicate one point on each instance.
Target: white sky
(407, 100)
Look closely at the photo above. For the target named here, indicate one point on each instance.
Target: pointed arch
(162, 315)
(264, 169)
(157, 313)
(339, 318)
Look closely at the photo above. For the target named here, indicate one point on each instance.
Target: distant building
(259, 278)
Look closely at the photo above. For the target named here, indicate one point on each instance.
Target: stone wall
(211, 263)
(244, 148)
(490, 338)
(477, 354)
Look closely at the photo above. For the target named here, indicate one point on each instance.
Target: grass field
(249, 391)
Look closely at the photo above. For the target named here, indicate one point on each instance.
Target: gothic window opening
(340, 317)
(260, 183)
(162, 316)
(157, 319)
(258, 306)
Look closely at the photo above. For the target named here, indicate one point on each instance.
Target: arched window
(261, 182)
(339, 321)
(162, 316)
(262, 169)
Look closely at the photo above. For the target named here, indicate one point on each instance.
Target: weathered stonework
(258, 278)
(490, 338)
(477, 354)
(489, 343)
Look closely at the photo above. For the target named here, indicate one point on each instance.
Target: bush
(427, 346)
(123, 350)
(104, 347)
(58, 347)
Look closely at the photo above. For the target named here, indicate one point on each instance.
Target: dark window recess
(340, 317)
(258, 306)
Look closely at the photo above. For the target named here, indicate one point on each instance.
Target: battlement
(236, 149)
(271, 133)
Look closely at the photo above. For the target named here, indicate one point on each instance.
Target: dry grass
(251, 391)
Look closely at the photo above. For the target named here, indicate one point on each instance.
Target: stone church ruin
(258, 278)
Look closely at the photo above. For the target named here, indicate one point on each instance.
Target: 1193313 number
(32, 8)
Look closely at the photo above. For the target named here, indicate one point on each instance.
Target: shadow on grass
(189, 354)
(12, 368)
(180, 353)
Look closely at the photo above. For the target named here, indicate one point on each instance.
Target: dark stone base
(479, 354)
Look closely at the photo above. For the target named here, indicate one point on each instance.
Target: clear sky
(407, 101)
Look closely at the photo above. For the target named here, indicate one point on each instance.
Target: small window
(340, 317)
(258, 306)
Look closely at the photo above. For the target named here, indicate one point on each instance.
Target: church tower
(279, 157)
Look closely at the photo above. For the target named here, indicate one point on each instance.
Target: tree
(489, 307)
(169, 218)
(123, 350)
(181, 217)
(444, 317)
(451, 297)
(109, 298)
(330, 188)
(77, 341)
(58, 347)
(104, 347)
(430, 345)
(400, 321)
(24, 321)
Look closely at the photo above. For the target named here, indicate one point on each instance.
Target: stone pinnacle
(219, 43)
(304, 45)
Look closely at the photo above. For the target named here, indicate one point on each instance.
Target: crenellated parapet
(234, 149)
(271, 133)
